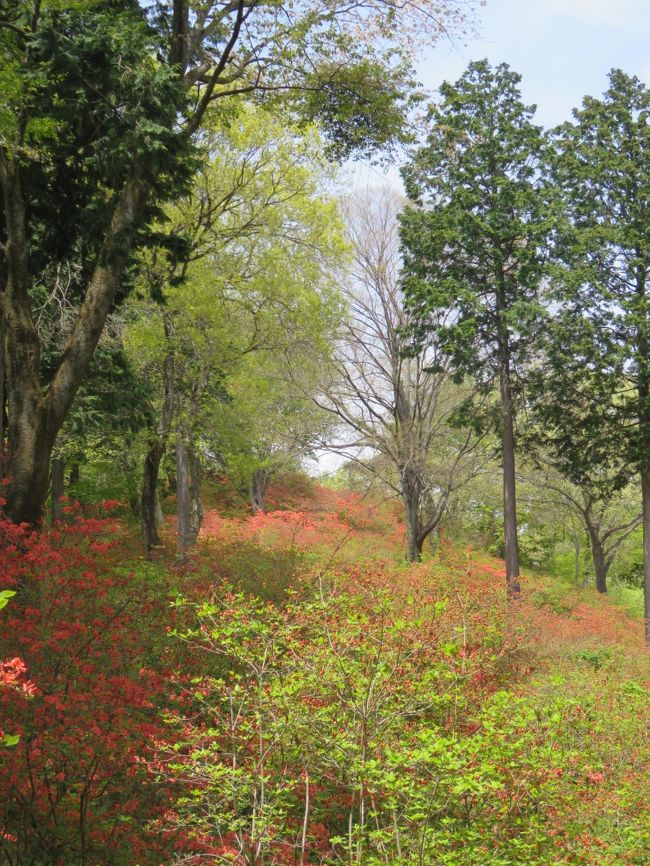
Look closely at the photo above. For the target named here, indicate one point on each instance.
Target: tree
(472, 245)
(111, 406)
(271, 421)
(103, 102)
(251, 297)
(395, 412)
(608, 514)
(596, 374)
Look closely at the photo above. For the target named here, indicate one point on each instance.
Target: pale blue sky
(562, 48)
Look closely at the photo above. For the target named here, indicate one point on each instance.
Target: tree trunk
(601, 565)
(643, 388)
(182, 496)
(509, 491)
(149, 500)
(433, 522)
(577, 548)
(160, 517)
(188, 495)
(259, 485)
(196, 508)
(509, 481)
(30, 442)
(411, 494)
(35, 413)
(74, 475)
(148, 497)
(57, 488)
(645, 497)
(2, 394)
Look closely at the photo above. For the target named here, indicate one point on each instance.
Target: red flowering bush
(334, 706)
(84, 636)
(345, 726)
(12, 675)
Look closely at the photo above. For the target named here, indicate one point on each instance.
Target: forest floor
(558, 644)
(418, 718)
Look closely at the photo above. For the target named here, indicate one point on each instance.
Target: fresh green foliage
(251, 313)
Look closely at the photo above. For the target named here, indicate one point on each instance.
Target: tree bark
(149, 500)
(57, 488)
(35, 413)
(188, 495)
(577, 548)
(643, 410)
(413, 543)
(148, 497)
(601, 563)
(259, 486)
(507, 444)
(182, 497)
(411, 495)
(645, 506)
(508, 456)
(29, 441)
(160, 517)
(196, 508)
(2, 394)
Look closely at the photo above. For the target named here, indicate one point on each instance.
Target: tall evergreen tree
(596, 379)
(473, 244)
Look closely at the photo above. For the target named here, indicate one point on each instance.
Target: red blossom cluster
(83, 635)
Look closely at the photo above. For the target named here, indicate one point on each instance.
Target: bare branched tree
(395, 410)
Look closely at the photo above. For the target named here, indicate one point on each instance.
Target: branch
(195, 122)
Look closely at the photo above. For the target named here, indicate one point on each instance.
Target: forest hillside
(297, 693)
(324, 433)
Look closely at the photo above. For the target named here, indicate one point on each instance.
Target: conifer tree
(595, 382)
(473, 243)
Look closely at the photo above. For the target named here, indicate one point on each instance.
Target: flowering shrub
(85, 634)
(13, 676)
(385, 714)
(311, 700)
(348, 728)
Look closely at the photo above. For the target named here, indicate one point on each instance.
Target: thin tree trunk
(577, 547)
(160, 517)
(643, 358)
(601, 566)
(508, 446)
(149, 499)
(509, 481)
(2, 394)
(188, 494)
(196, 508)
(57, 488)
(645, 497)
(182, 496)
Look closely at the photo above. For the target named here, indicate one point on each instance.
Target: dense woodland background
(436, 652)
